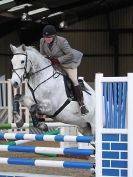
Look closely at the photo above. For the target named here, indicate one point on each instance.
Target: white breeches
(72, 74)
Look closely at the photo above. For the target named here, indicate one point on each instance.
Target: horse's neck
(46, 81)
(40, 69)
(39, 62)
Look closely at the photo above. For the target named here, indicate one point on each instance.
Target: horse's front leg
(42, 108)
(27, 102)
(16, 104)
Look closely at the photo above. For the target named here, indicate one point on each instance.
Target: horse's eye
(22, 61)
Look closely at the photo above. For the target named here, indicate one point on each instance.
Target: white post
(2, 78)
(99, 124)
(84, 145)
(27, 114)
(9, 95)
(70, 130)
(130, 124)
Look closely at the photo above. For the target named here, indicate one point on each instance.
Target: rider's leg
(72, 74)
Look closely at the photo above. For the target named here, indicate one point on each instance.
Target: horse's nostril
(15, 84)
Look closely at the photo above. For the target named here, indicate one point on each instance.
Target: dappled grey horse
(46, 93)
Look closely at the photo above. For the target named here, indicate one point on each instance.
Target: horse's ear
(23, 47)
(13, 48)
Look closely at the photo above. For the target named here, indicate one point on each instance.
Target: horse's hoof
(20, 123)
(42, 126)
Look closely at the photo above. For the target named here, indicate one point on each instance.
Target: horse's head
(20, 63)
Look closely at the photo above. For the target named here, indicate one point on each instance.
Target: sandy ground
(43, 170)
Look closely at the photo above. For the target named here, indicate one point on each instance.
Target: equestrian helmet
(49, 30)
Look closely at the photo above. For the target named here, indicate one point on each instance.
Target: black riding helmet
(49, 30)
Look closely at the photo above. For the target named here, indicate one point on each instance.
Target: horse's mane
(34, 50)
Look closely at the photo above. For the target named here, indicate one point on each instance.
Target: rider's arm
(67, 50)
(42, 46)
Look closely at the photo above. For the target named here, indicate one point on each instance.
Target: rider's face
(49, 39)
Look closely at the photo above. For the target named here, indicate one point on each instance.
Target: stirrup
(83, 110)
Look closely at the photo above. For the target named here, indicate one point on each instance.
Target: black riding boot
(79, 97)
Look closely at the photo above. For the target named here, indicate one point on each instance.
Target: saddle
(70, 90)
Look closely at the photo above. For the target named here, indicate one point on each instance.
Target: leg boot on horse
(16, 103)
(79, 97)
(16, 111)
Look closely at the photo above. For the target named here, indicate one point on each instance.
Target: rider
(60, 53)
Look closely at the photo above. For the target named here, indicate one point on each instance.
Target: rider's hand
(55, 61)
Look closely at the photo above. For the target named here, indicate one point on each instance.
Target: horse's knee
(17, 97)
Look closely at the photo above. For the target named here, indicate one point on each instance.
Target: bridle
(25, 67)
(28, 75)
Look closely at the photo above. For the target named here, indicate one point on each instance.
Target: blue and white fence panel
(114, 126)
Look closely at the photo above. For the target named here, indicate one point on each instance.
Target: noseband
(25, 67)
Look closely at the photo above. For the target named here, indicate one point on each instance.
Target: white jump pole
(130, 125)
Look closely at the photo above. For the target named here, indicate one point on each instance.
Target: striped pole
(13, 126)
(18, 142)
(52, 150)
(27, 125)
(19, 174)
(47, 163)
(41, 137)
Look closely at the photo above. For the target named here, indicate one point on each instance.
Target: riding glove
(55, 61)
